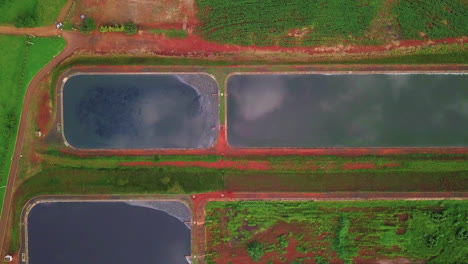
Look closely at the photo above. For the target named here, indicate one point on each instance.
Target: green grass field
(42, 12)
(20, 64)
(433, 231)
(273, 22)
(432, 18)
(322, 22)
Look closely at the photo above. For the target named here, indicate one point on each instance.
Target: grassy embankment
(21, 61)
(434, 231)
(30, 13)
(69, 174)
(327, 22)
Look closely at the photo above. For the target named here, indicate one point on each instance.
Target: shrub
(26, 20)
(130, 28)
(255, 250)
(104, 29)
(87, 26)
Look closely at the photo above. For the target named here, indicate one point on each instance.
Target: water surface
(140, 111)
(106, 233)
(357, 110)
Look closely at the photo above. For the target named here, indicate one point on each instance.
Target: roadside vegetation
(351, 231)
(24, 58)
(128, 28)
(328, 22)
(30, 13)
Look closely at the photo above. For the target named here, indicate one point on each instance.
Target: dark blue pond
(140, 111)
(106, 233)
(357, 110)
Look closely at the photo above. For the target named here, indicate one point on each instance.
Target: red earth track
(195, 45)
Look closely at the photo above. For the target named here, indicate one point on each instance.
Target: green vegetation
(432, 231)
(295, 23)
(170, 33)
(432, 18)
(88, 25)
(255, 250)
(22, 59)
(129, 28)
(322, 22)
(30, 13)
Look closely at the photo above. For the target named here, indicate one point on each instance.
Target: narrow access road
(48, 31)
(73, 40)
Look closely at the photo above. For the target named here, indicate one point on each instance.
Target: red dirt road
(72, 40)
(194, 45)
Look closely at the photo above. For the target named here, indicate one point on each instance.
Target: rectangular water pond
(108, 232)
(140, 111)
(347, 110)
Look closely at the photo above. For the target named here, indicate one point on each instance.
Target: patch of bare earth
(385, 27)
(148, 13)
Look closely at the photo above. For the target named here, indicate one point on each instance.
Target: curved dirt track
(46, 31)
(72, 41)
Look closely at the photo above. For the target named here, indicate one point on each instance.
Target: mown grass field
(322, 22)
(326, 232)
(20, 62)
(42, 12)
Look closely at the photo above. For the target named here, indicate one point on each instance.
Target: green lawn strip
(434, 230)
(63, 180)
(22, 62)
(347, 181)
(249, 22)
(170, 33)
(10, 97)
(30, 13)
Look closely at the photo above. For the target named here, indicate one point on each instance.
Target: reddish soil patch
(220, 164)
(44, 114)
(357, 166)
(141, 12)
(34, 158)
(403, 217)
(400, 231)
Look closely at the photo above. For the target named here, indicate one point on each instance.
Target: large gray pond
(108, 233)
(140, 111)
(356, 110)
